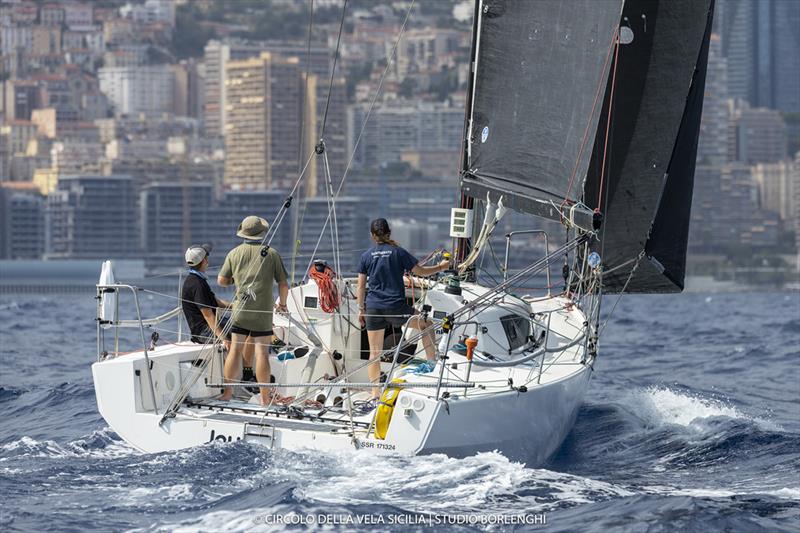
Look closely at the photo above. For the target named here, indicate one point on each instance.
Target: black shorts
(207, 334)
(381, 318)
(250, 333)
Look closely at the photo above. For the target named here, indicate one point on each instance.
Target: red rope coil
(324, 277)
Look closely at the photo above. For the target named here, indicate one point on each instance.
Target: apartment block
(93, 217)
(140, 89)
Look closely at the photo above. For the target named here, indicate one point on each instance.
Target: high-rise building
(713, 140)
(173, 216)
(402, 126)
(760, 40)
(187, 99)
(316, 107)
(263, 121)
(217, 54)
(93, 217)
(22, 225)
(776, 188)
(167, 228)
(758, 135)
(353, 230)
(140, 89)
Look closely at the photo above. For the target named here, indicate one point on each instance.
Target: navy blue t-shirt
(385, 264)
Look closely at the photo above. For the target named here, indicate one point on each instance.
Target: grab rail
(114, 287)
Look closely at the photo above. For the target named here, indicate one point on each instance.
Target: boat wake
(232, 486)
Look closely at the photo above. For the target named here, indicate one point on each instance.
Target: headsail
(652, 144)
(532, 111)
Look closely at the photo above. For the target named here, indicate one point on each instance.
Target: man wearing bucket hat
(198, 301)
(254, 267)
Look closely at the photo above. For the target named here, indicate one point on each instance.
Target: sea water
(692, 423)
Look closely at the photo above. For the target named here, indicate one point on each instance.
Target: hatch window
(517, 328)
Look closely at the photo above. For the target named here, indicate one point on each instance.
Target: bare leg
(233, 363)
(374, 368)
(249, 349)
(263, 371)
(428, 338)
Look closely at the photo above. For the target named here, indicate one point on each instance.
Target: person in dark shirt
(198, 301)
(384, 265)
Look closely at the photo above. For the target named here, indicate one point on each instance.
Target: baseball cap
(196, 253)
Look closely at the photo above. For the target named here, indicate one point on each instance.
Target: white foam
(789, 493)
(229, 521)
(27, 446)
(138, 496)
(658, 406)
(478, 482)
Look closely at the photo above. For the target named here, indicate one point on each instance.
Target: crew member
(198, 301)
(384, 265)
(253, 267)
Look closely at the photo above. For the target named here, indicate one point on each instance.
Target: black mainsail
(533, 106)
(560, 115)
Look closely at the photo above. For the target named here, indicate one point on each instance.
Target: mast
(466, 201)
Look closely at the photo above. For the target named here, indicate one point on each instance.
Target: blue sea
(692, 423)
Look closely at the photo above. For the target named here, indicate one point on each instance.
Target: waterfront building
(93, 217)
(22, 227)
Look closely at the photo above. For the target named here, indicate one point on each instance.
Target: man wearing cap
(253, 267)
(198, 301)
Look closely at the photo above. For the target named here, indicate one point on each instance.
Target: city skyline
(93, 93)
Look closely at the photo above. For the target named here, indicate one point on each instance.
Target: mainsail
(532, 111)
(650, 151)
(562, 119)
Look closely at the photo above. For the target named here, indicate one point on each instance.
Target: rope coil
(324, 276)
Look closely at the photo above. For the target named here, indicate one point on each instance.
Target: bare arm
(224, 281)
(211, 320)
(223, 303)
(361, 290)
(425, 271)
(283, 294)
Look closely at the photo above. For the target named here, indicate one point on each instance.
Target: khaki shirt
(254, 276)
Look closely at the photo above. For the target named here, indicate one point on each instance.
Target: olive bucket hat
(253, 228)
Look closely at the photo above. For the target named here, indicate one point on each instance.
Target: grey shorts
(381, 318)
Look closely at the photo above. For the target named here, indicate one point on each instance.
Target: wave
(10, 393)
(103, 443)
(666, 513)
(658, 406)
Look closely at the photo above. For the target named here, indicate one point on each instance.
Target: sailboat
(585, 113)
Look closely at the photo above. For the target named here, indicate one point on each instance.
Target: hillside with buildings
(133, 128)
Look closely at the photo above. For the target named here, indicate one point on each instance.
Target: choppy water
(692, 422)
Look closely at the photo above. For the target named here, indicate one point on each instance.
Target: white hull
(527, 424)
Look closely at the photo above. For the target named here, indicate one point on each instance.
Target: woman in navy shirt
(384, 265)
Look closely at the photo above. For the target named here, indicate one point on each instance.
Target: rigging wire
(364, 122)
(333, 72)
(608, 123)
(614, 39)
(295, 213)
